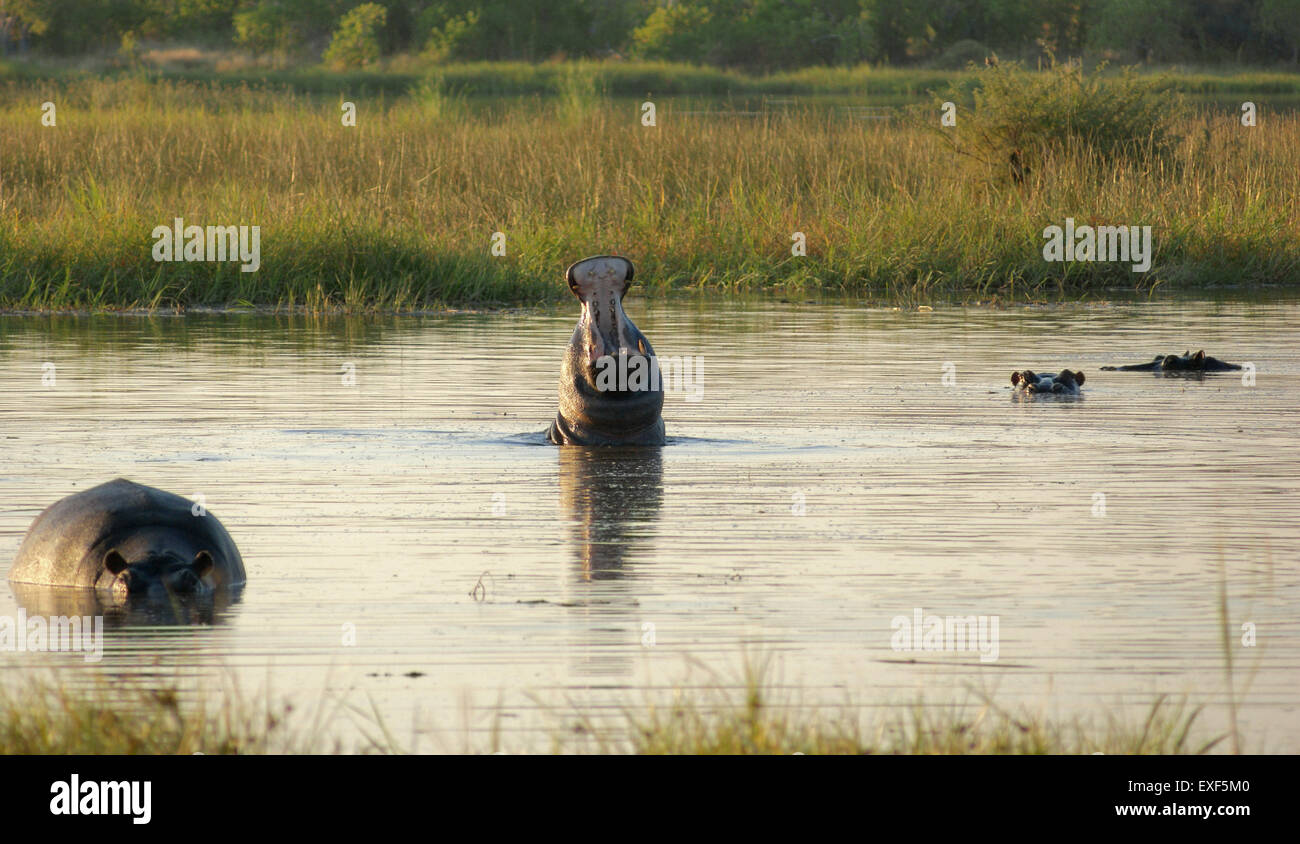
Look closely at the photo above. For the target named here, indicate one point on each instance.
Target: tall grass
(399, 211)
(43, 717)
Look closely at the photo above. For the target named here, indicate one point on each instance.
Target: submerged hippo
(131, 541)
(1066, 383)
(1186, 362)
(610, 389)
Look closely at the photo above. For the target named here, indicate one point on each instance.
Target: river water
(416, 551)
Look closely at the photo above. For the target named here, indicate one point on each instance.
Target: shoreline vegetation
(748, 718)
(635, 78)
(401, 211)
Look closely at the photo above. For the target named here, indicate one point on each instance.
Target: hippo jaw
(160, 575)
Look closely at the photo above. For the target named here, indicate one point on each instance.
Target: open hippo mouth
(617, 361)
(160, 575)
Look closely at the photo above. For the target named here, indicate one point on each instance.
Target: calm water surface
(414, 549)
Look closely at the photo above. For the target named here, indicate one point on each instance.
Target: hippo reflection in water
(128, 542)
(1067, 382)
(595, 408)
(1186, 362)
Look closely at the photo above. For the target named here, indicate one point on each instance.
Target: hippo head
(160, 574)
(1067, 381)
(1030, 381)
(1187, 361)
(613, 357)
(611, 390)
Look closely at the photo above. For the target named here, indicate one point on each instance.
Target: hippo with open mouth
(1186, 362)
(1067, 382)
(610, 387)
(131, 541)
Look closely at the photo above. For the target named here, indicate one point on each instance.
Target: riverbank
(398, 76)
(433, 200)
(47, 718)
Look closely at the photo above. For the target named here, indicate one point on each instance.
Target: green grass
(400, 75)
(398, 213)
(47, 718)
(44, 718)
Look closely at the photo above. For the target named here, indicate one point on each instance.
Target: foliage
(356, 42)
(755, 34)
(500, 29)
(965, 52)
(267, 27)
(1144, 30)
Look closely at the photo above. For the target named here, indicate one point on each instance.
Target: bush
(1015, 119)
(356, 41)
(963, 53)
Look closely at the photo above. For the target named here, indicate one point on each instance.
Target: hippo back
(66, 544)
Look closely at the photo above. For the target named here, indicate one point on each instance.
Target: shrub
(964, 52)
(1015, 119)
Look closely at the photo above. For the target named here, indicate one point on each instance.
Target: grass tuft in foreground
(44, 718)
(759, 719)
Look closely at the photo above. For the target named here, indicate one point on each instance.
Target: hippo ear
(115, 562)
(202, 563)
(1078, 378)
(1199, 356)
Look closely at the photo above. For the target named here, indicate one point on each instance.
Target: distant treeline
(750, 34)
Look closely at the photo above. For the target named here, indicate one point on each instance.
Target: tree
(267, 27)
(356, 41)
(1282, 18)
(682, 31)
(1147, 29)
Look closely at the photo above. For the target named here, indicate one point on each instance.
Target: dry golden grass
(398, 212)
